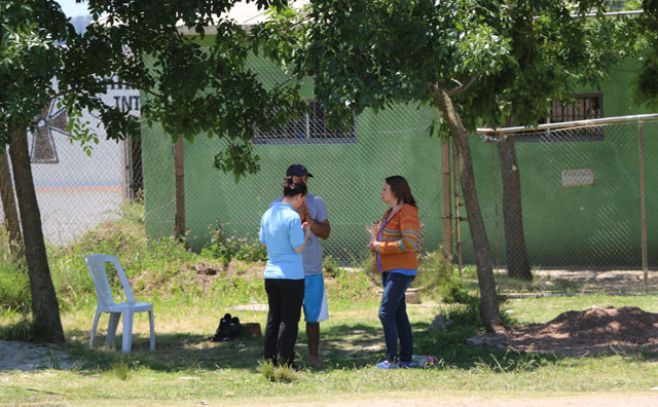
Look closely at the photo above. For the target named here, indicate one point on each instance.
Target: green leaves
(80, 131)
(238, 158)
(517, 55)
(191, 85)
(28, 58)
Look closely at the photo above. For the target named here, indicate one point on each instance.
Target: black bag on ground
(229, 328)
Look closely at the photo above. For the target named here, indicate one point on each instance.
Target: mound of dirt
(593, 331)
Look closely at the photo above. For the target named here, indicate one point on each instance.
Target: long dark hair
(401, 190)
(291, 188)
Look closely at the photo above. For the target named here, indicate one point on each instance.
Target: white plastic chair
(96, 264)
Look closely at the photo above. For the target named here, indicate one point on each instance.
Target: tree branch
(462, 87)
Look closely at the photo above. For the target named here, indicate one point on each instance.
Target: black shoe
(221, 334)
(234, 329)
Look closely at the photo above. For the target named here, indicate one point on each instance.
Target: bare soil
(592, 280)
(594, 331)
(25, 356)
(594, 400)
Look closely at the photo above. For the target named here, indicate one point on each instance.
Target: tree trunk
(518, 265)
(488, 301)
(46, 323)
(9, 205)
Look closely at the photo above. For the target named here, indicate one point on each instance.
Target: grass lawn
(188, 369)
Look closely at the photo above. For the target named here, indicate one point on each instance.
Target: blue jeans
(393, 314)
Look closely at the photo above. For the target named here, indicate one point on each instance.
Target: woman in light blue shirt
(282, 232)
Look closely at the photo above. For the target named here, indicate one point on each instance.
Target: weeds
(513, 362)
(277, 374)
(434, 272)
(227, 248)
(14, 287)
(267, 369)
(18, 331)
(330, 266)
(120, 369)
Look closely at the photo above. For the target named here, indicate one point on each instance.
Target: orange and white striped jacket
(401, 239)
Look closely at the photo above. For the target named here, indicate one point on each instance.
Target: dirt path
(427, 400)
(414, 399)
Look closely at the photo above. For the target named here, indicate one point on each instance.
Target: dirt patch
(25, 356)
(202, 274)
(613, 281)
(595, 331)
(206, 272)
(416, 400)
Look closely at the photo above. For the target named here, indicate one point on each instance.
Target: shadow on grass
(345, 346)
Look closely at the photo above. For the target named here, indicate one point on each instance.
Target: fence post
(457, 211)
(446, 215)
(180, 190)
(128, 167)
(643, 206)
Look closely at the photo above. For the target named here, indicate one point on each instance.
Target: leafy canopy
(500, 59)
(189, 88)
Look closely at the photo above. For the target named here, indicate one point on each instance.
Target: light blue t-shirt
(281, 231)
(313, 249)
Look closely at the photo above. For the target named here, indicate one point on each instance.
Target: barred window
(309, 128)
(616, 5)
(583, 107)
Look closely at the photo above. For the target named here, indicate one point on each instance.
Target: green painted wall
(595, 225)
(159, 182)
(348, 176)
(592, 225)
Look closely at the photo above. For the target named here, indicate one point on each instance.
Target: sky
(73, 9)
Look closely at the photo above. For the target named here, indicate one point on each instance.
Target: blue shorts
(315, 299)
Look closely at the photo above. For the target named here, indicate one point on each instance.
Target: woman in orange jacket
(396, 242)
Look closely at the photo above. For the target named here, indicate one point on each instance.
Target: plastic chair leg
(112, 328)
(126, 341)
(94, 326)
(152, 327)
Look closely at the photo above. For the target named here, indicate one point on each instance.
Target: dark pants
(285, 299)
(393, 314)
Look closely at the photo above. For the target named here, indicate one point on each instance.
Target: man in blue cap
(315, 213)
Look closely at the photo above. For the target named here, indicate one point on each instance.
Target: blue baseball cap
(297, 170)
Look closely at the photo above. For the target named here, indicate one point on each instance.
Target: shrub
(330, 266)
(434, 272)
(14, 287)
(14, 283)
(250, 250)
(367, 264)
(227, 248)
(350, 285)
(220, 246)
(454, 291)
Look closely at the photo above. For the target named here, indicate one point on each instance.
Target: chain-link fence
(78, 192)
(587, 199)
(348, 167)
(586, 193)
(79, 188)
